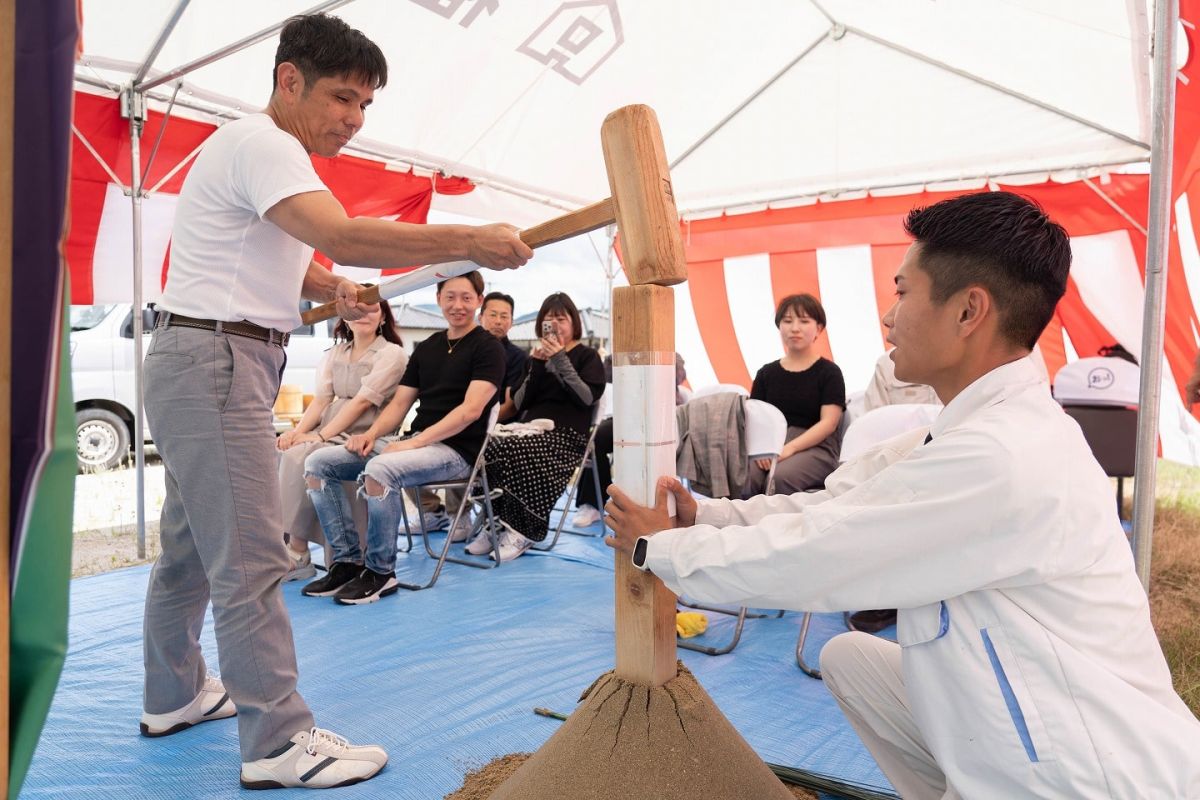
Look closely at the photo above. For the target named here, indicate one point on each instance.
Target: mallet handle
(584, 220)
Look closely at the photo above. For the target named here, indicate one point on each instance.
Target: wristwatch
(640, 548)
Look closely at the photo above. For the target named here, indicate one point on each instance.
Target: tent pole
(163, 35)
(133, 106)
(229, 49)
(1166, 19)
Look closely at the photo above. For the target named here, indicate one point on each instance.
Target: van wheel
(101, 439)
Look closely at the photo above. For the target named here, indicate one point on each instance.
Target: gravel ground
(105, 523)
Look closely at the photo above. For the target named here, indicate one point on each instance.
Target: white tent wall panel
(848, 295)
(114, 246)
(1105, 270)
(751, 305)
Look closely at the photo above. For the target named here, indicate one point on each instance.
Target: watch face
(639, 553)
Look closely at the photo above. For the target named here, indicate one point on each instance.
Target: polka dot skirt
(533, 472)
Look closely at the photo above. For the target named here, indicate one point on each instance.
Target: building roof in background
(419, 316)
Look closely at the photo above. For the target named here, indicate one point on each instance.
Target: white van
(102, 371)
(102, 376)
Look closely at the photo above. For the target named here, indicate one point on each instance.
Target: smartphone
(548, 330)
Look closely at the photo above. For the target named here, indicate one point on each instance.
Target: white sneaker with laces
(462, 531)
(314, 759)
(481, 545)
(586, 516)
(512, 544)
(211, 703)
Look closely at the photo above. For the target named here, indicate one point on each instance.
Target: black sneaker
(368, 587)
(341, 573)
(872, 621)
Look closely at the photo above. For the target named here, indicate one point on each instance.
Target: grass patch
(1175, 576)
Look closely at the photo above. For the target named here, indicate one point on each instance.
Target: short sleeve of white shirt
(228, 262)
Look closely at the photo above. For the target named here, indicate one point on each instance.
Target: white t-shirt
(227, 262)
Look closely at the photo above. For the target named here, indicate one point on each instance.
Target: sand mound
(631, 742)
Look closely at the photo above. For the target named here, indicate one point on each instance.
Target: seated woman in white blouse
(355, 378)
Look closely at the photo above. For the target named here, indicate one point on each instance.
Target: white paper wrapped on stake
(644, 431)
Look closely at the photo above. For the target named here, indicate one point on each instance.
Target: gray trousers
(802, 472)
(208, 400)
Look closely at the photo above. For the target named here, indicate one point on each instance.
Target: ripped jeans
(394, 471)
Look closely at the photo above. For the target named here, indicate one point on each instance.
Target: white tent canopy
(770, 101)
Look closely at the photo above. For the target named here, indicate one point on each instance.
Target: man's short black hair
(506, 298)
(322, 46)
(473, 277)
(1002, 242)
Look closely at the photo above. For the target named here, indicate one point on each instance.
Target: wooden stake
(644, 450)
(643, 324)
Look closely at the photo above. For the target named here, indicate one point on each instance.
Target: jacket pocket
(923, 624)
(1013, 690)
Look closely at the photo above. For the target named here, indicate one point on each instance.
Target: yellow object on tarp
(690, 623)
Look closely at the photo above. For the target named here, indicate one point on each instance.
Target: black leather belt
(168, 319)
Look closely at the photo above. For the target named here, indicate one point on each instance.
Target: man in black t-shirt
(455, 375)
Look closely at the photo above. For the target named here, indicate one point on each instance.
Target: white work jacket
(1028, 656)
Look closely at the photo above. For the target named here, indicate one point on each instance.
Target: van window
(84, 318)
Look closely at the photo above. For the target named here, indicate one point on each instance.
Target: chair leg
(777, 614)
(720, 651)
(812, 672)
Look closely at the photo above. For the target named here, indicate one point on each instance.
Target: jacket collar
(994, 387)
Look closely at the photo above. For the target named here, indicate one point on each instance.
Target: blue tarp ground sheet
(446, 679)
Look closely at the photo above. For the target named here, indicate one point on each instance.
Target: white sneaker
(481, 545)
(211, 703)
(302, 567)
(586, 517)
(462, 531)
(314, 759)
(512, 544)
(437, 520)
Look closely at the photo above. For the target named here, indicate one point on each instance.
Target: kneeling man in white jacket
(1026, 664)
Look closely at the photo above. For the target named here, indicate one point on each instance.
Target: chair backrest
(766, 429)
(880, 424)
(1111, 432)
(855, 406)
(603, 407)
(718, 388)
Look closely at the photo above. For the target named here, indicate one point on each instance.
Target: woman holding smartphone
(563, 382)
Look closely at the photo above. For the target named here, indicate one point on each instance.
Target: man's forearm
(319, 283)
(455, 421)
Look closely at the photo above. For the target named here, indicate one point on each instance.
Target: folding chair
(766, 432)
(858, 436)
(477, 477)
(586, 463)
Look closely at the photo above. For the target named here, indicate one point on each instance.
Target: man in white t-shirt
(250, 214)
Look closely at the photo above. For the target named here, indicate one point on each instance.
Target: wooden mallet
(583, 220)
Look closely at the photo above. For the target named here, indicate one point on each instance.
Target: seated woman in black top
(810, 392)
(563, 382)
